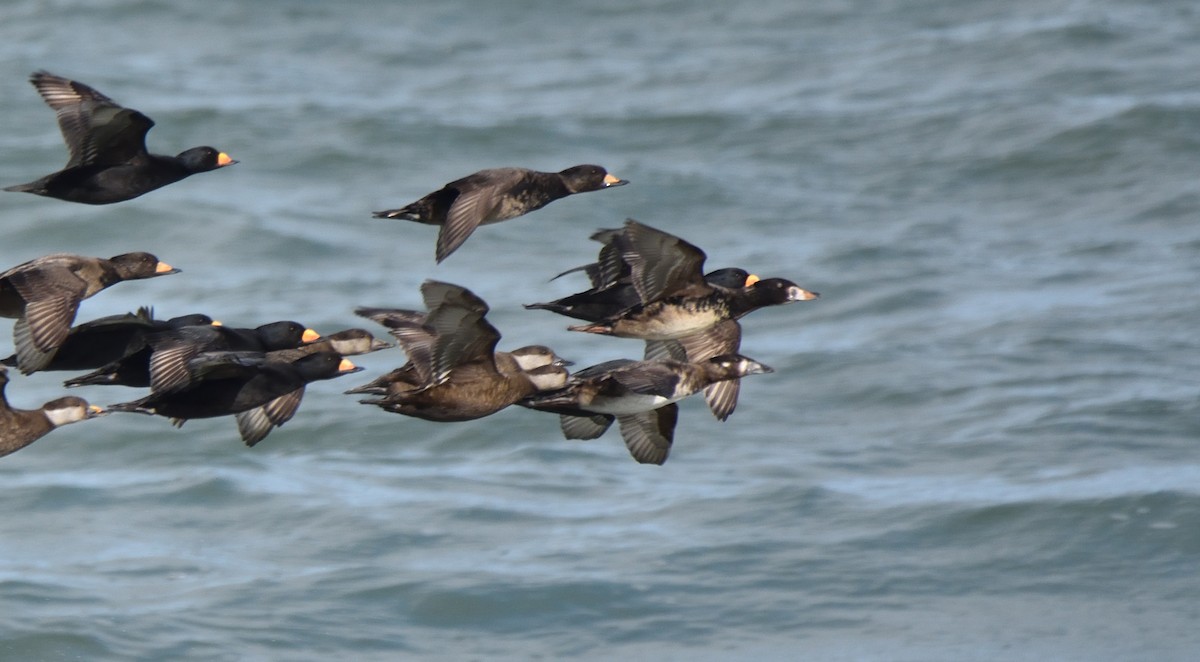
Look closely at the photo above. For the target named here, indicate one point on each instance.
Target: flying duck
(456, 373)
(106, 339)
(21, 427)
(675, 299)
(494, 195)
(226, 383)
(640, 395)
(107, 145)
(44, 295)
(162, 362)
(647, 283)
(255, 424)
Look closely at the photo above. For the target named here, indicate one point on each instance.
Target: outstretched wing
(584, 427)
(723, 338)
(649, 435)
(95, 128)
(469, 210)
(255, 424)
(661, 263)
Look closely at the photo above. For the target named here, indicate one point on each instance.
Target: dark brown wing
(255, 424)
(610, 269)
(474, 204)
(419, 343)
(456, 317)
(584, 427)
(646, 377)
(438, 293)
(169, 369)
(49, 320)
(52, 295)
(661, 263)
(409, 329)
(649, 435)
(724, 338)
(658, 350)
(46, 281)
(95, 128)
(722, 397)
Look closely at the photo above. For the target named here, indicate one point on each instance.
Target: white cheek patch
(64, 416)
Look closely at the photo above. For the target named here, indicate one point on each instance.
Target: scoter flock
(646, 284)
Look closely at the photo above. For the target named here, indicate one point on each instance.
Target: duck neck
(747, 299)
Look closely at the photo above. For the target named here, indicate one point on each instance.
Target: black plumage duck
(230, 383)
(255, 424)
(107, 144)
(494, 195)
(162, 364)
(98, 342)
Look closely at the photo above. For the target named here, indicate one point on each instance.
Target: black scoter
(162, 363)
(107, 144)
(255, 424)
(229, 383)
(98, 342)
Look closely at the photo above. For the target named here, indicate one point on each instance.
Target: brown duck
(456, 373)
(494, 195)
(44, 295)
(21, 427)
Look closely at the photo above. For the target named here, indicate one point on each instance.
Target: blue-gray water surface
(980, 443)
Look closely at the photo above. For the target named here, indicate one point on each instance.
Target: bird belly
(666, 323)
(458, 401)
(632, 403)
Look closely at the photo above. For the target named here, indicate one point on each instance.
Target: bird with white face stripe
(640, 396)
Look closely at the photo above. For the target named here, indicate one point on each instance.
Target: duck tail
(551, 306)
(96, 378)
(408, 213)
(31, 187)
(135, 407)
